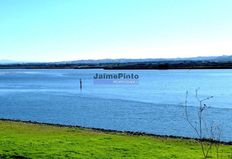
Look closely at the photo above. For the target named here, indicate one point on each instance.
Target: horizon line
(171, 58)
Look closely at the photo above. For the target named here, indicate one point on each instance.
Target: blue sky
(58, 30)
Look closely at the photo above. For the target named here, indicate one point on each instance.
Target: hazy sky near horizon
(58, 30)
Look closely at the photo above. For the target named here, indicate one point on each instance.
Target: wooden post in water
(80, 84)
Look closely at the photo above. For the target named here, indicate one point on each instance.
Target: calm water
(153, 105)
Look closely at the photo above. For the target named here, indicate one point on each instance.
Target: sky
(62, 30)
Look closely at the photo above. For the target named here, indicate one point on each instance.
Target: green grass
(25, 140)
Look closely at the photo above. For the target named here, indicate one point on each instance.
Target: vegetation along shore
(25, 139)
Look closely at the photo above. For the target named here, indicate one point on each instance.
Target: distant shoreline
(160, 65)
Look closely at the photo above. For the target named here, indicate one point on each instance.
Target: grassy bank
(19, 140)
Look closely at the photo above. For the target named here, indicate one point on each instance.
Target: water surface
(154, 105)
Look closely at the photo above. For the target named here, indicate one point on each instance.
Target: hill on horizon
(223, 58)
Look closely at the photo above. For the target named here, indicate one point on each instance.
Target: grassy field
(25, 140)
